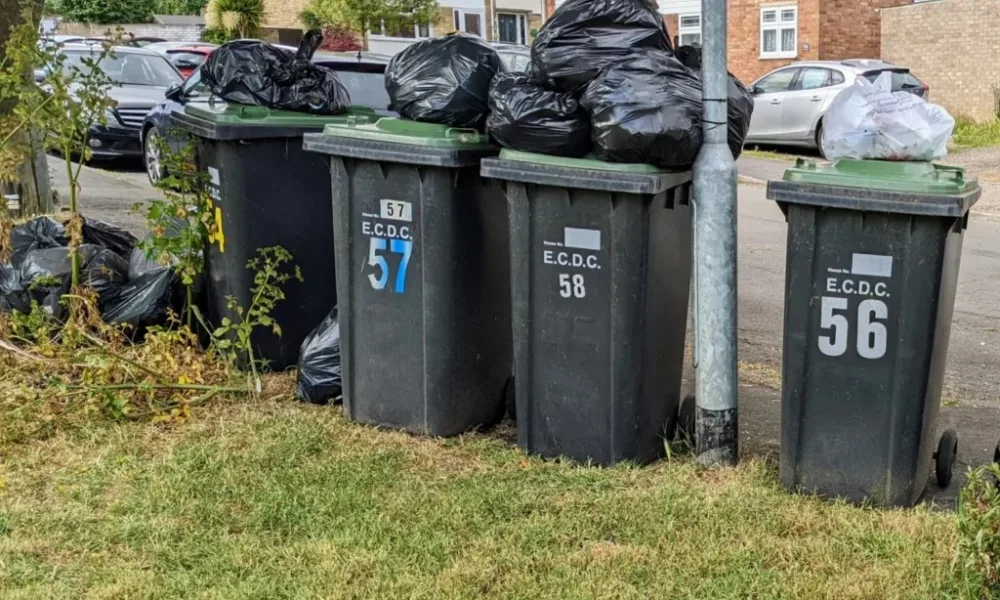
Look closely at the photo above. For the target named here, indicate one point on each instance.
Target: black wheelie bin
(872, 268)
(423, 275)
(267, 191)
(601, 258)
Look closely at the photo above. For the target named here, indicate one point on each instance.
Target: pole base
(717, 437)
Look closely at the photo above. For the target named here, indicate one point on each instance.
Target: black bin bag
(646, 110)
(320, 375)
(584, 36)
(444, 80)
(259, 74)
(145, 300)
(37, 234)
(526, 116)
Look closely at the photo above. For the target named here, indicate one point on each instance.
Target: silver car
(789, 103)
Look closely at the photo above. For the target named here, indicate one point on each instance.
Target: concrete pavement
(972, 394)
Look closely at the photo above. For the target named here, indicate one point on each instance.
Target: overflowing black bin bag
(45, 277)
(257, 73)
(526, 116)
(36, 234)
(646, 110)
(584, 36)
(444, 80)
(320, 375)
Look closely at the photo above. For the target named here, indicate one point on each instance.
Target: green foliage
(970, 134)
(36, 327)
(215, 36)
(977, 560)
(272, 270)
(361, 15)
(106, 11)
(180, 7)
(237, 18)
(182, 219)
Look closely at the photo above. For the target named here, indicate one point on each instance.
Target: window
(779, 81)
(779, 37)
(403, 28)
(469, 22)
(901, 80)
(689, 30)
(813, 78)
(512, 28)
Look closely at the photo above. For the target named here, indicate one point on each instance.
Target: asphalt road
(972, 387)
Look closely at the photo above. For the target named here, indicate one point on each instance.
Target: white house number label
(867, 278)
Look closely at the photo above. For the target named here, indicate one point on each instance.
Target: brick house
(953, 46)
(493, 20)
(767, 34)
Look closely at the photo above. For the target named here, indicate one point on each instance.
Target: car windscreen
(901, 80)
(126, 68)
(366, 89)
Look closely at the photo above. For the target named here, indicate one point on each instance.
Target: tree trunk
(35, 188)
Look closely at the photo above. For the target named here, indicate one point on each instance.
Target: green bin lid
(588, 163)
(413, 133)
(923, 178)
(225, 113)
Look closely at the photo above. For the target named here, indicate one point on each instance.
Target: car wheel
(819, 139)
(153, 157)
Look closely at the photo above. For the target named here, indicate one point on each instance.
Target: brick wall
(744, 37)
(283, 14)
(953, 46)
(852, 28)
(672, 24)
(172, 33)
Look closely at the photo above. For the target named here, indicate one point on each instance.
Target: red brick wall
(852, 28)
(744, 37)
(672, 25)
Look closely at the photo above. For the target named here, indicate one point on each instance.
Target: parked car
(515, 56)
(790, 102)
(141, 79)
(362, 73)
(188, 59)
(163, 47)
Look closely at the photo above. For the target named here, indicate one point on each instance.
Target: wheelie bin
(872, 268)
(267, 192)
(601, 258)
(423, 275)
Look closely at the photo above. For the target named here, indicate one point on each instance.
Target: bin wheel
(686, 418)
(508, 398)
(945, 457)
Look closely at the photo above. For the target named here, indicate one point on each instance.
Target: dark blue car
(362, 73)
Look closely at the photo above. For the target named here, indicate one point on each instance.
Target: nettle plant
(183, 219)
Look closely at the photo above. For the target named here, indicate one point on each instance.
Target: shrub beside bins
(601, 258)
(267, 192)
(423, 275)
(873, 258)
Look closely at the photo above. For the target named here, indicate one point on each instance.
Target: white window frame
(682, 30)
(778, 26)
(372, 35)
(461, 12)
(522, 26)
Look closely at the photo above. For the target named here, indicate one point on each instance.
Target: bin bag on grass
(45, 277)
(584, 36)
(257, 73)
(109, 236)
(526, 116)
(870, 121)
(145, 300)
(320, 375)
(444, 80)
(36, 234)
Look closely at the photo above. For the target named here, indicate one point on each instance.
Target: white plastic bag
(870, 121)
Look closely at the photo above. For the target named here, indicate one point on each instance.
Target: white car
(790, 102)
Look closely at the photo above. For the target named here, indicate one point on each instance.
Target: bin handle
(462, 134)
(957, 173)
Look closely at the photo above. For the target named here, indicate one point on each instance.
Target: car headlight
(111, 117)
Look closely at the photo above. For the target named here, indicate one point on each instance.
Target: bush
(977, 561)
(340, 39)
(107, 11)
(180, 7)
(215, 36)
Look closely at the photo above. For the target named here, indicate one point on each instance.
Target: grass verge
(270, 499)
(976, 135)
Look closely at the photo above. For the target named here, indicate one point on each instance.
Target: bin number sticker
(577, 251)
(390, 245)
(216, 234)
(868, 278)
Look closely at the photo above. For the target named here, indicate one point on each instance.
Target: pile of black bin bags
(130, 288)
(604, 82)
